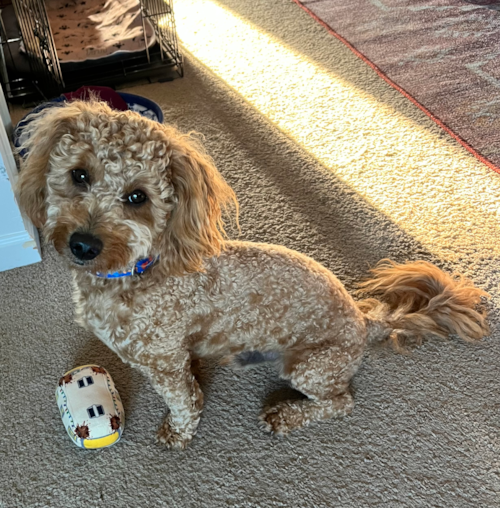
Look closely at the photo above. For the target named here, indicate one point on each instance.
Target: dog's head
(110, 187)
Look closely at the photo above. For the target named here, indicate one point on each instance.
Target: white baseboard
(18, 249)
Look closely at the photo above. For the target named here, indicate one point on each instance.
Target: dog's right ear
(39, 136)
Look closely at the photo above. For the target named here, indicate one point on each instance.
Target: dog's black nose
(85, 246)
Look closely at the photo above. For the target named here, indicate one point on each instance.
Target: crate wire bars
(39, 43)
(160, 14)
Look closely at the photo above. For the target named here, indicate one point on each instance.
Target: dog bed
(93, 29)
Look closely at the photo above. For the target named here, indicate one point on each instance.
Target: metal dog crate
(161, 61)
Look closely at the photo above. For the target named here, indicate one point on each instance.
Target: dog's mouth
(97, 266)
(73, 260)
(99, 269)
(76, 263)
(92, 267)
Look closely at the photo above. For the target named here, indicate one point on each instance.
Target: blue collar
(140, 267)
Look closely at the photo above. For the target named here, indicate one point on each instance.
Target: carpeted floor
(443, 53)
(425, 428)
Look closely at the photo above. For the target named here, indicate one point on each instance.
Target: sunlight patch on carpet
(402, 164)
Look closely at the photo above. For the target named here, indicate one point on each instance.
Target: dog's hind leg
(322, 373)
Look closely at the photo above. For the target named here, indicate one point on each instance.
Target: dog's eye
(136, 197)
(80, 177)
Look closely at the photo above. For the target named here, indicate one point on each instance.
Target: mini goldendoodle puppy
(135, 208)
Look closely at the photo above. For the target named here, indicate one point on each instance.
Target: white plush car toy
(90, 407)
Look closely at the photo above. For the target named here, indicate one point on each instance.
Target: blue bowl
(145, 107)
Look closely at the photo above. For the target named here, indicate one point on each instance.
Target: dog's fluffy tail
(415, 301)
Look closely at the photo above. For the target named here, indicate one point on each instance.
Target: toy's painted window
(95, 411)
(85, 381)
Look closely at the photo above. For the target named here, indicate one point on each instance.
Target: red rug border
(388, 80)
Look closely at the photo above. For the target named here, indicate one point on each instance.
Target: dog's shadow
(278, 390)
(281, 394)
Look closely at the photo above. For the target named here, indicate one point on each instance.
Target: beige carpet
(326, 159)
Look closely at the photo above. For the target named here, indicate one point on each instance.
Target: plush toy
(90, 407)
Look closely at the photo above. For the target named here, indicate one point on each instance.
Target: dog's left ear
(195, 229)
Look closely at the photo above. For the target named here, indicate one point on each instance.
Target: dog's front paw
(173, 439)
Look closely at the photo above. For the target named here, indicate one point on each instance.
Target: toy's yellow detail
(101, 442)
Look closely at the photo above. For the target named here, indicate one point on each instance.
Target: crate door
(160, 13)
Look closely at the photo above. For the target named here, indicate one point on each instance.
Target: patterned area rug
(442, 54)
(91, 29)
